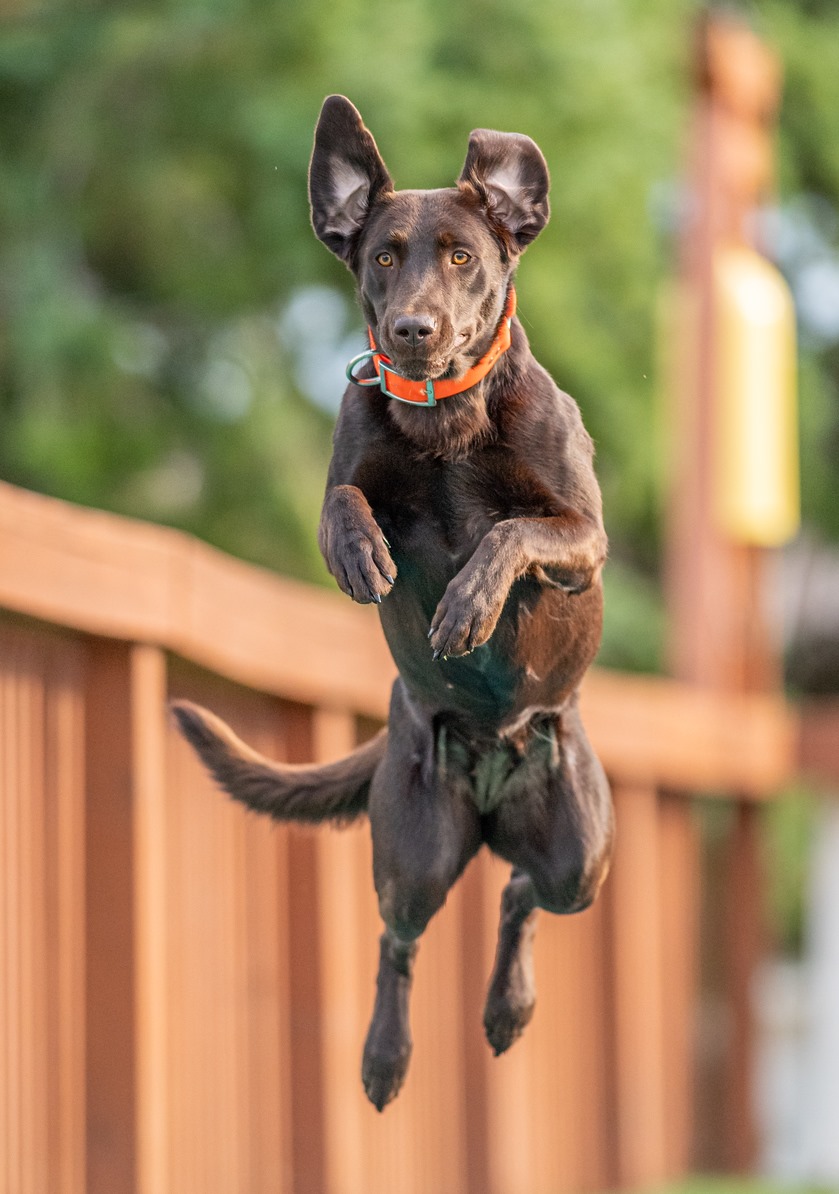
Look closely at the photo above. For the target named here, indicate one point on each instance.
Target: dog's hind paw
(383, 1073)
(505, 1021)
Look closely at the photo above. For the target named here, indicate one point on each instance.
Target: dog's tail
(288, 792)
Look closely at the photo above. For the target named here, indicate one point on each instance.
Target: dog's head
(433, 267)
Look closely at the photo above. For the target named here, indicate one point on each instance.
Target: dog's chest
(437, 512)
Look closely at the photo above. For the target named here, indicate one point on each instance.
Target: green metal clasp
(359, 360)
(381, 380)
(429, 387)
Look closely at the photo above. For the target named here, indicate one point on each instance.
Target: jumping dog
(461, 498)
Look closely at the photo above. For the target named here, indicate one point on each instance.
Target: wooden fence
(184, 988)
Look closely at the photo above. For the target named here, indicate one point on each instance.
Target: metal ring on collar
(359, 360)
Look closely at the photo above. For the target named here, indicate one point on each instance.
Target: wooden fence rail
(184, 988)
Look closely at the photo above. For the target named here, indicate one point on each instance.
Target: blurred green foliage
(791, 823)
(154, 231)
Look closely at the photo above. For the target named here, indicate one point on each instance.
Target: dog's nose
(413, 329)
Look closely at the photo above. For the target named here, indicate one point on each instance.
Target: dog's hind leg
(387, 1050)
(512, 993)
(425, 828)
(554, 824)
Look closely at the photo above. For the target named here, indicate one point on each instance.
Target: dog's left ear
(511, 178)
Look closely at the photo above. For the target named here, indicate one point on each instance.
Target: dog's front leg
(353, 545)
(569, 549)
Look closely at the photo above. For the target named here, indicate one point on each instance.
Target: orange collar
(428, 393)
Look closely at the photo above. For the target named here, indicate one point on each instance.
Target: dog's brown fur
(476, 525)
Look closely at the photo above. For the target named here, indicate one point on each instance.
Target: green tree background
(172, 333)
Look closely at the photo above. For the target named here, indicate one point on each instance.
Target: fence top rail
(106, 575)
(119, 578)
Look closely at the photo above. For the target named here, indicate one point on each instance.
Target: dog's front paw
(467, 614)
(363, 568)
(356, 552)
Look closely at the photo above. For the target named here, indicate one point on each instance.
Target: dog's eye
(459, 257)
(384, 259)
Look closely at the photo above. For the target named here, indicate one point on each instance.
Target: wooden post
(718, 636)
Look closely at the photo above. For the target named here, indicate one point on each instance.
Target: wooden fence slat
(7, 912)
(42, 1077)
(229, 1047)
(538, 1116)
(556, 1040)
(512, 1165)
(587, 1039)
(418, 1142)
(638, 981)
(679, 903)
(436, 1088)
(266, 1051)
(11, 876)
(30, 975)
(743, 950)
(110, 984)
(148, 756)
(64, 761)
(334, 735)
(305, 982)
(343, 857)
(478, 892)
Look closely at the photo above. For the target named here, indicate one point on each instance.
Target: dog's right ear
(346, 176)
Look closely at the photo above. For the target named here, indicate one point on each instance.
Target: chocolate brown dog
(461, 497)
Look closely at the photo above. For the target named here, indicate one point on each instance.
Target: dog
(461, 498)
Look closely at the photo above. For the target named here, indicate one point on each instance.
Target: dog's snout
(414, 329)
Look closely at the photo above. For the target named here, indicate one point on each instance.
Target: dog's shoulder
(535, 410)
(542, 428)
(367, 448)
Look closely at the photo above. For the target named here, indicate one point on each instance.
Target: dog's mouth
(425, 366)
(422, 370)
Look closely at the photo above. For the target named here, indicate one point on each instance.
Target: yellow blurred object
(756, 490)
